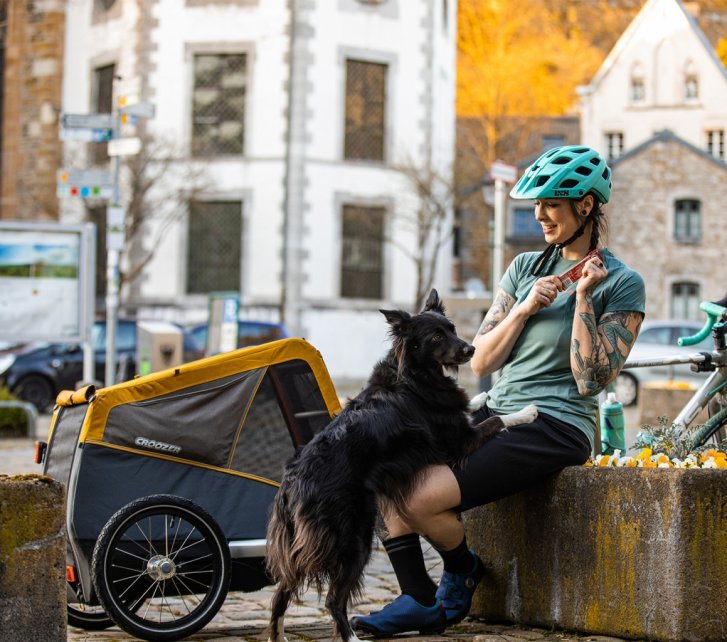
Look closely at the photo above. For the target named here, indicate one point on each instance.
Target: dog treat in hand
(571, 276)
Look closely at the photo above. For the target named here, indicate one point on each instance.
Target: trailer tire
(88, 618)
(161, 567)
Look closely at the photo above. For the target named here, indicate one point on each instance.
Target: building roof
(663, 136)
(641, 19)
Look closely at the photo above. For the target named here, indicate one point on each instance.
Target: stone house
(294, 119)
(656, 110)
(666, 220)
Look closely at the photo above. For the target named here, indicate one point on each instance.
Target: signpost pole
(112, 268)
(502, 174)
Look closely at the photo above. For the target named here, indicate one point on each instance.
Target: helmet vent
(542, 180)
(584, 171)
(561, 160)
(595, 161)
(568, 182)
(606, 174)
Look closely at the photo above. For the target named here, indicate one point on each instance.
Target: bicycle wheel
(88, 618)
(161, 567)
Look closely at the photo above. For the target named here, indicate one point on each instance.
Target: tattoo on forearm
(497, 312)
(597, 361)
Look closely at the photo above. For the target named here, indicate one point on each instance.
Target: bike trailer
(192, 452)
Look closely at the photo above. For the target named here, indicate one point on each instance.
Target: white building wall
(661, 42)
(407, 35)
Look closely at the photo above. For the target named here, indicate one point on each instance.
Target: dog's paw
(478, 401)
(525, 416)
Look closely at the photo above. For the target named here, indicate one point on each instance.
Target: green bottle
(612, 426)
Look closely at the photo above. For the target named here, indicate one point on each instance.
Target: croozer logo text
(157, 445)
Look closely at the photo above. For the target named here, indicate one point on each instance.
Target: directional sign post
(105, 184)
(86, 183)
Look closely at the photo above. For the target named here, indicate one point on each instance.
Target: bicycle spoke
(181, 596)
(186, 539)
(196, 559)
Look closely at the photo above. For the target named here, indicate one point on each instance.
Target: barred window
(97, 215)
(687, 220)
(715, 143)
(365, 110)
(218, 104)
(685, 299)
(214, 246)
(614, 144)
(103, 103)
(362, 256)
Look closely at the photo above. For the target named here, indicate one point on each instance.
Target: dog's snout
(468, 350)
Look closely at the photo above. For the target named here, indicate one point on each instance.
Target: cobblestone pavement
(244, 616)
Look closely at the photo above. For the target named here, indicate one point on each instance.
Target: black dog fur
(410, 415)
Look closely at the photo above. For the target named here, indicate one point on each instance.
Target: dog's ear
(398, 319)
(434, 303)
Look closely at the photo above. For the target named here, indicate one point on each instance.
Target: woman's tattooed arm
(599, 348)
(498, 311)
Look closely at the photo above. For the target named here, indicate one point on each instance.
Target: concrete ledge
(637, 553)
(32, 559)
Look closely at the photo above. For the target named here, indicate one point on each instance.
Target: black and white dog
(411, 415)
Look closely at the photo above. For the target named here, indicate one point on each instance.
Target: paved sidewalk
(244, 616)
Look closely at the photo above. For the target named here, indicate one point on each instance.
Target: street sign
(503, 172)
(87, 121)
(87, 183)
(140, 110)
(115, 230)
(87, 135)
(125, 146)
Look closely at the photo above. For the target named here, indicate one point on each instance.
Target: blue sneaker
(403, 614)
(456, 590)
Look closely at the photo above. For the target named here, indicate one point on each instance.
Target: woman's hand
(541, 295)
(594, 271)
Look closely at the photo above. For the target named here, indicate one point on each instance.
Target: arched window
(691, 82)
(685, 299)
(638, 88)
(687, 220)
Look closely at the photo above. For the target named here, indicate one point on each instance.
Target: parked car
(39, 371)
(249, 333)
(659, 339)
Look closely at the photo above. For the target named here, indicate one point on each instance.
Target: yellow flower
(644, 454)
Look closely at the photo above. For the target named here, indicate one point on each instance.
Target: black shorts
(518, 457)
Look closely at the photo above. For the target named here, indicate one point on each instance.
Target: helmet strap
(551, 253)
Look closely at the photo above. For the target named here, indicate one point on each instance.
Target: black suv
(38, 372)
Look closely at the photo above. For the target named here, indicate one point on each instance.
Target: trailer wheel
(88, 618)
(161, 567)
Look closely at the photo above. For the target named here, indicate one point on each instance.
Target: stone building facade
(666, 220)
(32, 80)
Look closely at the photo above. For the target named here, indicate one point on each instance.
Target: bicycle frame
(712, 386)
(709, 388)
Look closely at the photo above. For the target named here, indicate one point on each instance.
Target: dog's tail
(313, 548)
(280, 538)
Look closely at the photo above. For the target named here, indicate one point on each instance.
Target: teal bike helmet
(571, 171)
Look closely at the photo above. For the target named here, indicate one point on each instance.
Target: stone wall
(32, 559)
(630, 552)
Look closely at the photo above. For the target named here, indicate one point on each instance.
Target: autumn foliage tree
(517, 60)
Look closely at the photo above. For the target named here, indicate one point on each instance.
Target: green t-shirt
(538, 369)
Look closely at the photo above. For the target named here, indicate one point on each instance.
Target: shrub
(13, 421)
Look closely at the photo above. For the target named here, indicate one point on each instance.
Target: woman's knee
(438, 493)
